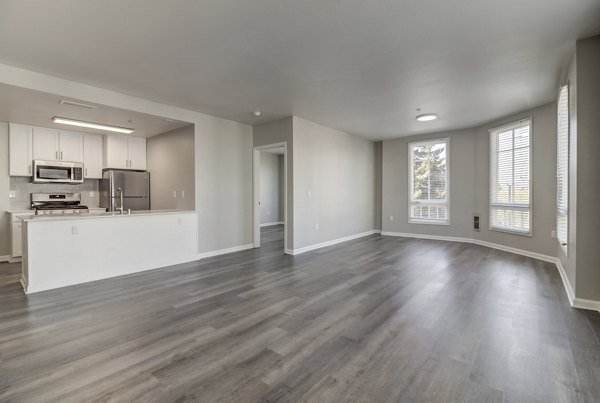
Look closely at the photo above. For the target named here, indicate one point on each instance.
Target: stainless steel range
(57, 203)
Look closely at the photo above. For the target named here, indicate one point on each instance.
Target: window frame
(565, 246)
(492, 132)
(446, 141)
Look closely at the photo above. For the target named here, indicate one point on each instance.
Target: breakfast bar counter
(64, 250)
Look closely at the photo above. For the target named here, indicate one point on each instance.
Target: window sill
(426, 222)
(507, 231)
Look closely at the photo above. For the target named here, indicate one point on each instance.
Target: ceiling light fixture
(256, 114)
(77, 104)
(425, 117)
(90, 125)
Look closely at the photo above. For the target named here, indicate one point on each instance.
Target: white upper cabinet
(70, 146)
(137, 153)
(20, 150)
(57, 145)
(45, 144)
(124, 152)
(93, 156)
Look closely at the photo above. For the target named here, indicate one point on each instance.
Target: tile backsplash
(22, 188)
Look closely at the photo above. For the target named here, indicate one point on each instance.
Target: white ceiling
(20, 105)
(355, 65)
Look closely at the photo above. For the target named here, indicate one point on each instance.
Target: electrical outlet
(174, 194)
(74, 230)
(317, 226)
(12, 195)
(92, 194)
(179, 221)
(553, 234)
(391, 218)
(308, 194)
(183, 194)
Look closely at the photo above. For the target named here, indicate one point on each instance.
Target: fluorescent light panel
(90, 125)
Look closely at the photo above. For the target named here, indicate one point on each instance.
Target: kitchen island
(64, 250)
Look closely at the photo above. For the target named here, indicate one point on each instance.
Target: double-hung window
(428, 182)
(562, 168)
(510, 178)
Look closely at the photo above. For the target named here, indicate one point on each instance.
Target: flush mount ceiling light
(256, 114)
(90, 125)
(426, 117)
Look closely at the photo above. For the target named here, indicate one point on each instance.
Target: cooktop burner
(57, 203)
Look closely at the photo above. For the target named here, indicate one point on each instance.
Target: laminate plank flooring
(377, 319)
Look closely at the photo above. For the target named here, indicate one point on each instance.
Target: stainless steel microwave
(57, 172)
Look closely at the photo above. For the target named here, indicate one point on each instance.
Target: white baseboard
(269, 224)
(4, 258)
(330, 243)
(575, 302)
(225, 251)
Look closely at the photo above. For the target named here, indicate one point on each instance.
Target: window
(428, 182)
(562, 168)
(510, 178)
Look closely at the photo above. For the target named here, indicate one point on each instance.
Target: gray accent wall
(170, 161)
(334, 184)
(271, 190)
(588, 169)
(4, 192)
(469, 184)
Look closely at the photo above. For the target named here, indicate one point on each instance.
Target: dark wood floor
(377, 319)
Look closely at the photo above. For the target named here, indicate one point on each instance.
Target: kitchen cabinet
(93, 156)
(125, 152)
(57, 145)
(20, 145)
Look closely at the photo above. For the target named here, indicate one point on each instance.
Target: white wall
(223, 156)
(170, 160)
(271, 191)
(469, 184)
(334, 184)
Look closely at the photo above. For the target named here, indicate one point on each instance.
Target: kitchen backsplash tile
(22, 188)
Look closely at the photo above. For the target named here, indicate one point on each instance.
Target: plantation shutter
(562, 167)
(428, 182)
(510, 177)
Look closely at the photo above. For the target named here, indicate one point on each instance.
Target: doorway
(270, 215)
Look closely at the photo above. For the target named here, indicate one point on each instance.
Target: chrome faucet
(120, 195)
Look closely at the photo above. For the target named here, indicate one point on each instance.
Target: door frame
(256, 192)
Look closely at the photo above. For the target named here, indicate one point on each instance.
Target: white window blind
(562, 167)
(510, 177)
(428, 182)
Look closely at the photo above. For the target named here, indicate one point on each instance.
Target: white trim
(566, 282)
(256, 192)
(16, 259)
(575, 302)
(269, 224)
(204, 255)
(4, 258)
(329, 243)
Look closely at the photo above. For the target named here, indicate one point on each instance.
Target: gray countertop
(101, 215)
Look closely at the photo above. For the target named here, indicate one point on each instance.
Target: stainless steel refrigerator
(127, 189)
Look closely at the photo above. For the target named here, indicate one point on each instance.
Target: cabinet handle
(55, 154)
(86, 172)
(61, 157)
(126, 163)
(29, 169)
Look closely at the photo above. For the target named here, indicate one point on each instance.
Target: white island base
(63, 251)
